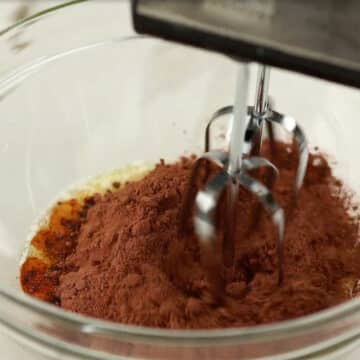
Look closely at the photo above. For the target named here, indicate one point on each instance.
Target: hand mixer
(316, 38)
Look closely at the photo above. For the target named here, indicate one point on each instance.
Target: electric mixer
(316, 39)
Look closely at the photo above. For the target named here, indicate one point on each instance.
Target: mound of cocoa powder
(130, 263)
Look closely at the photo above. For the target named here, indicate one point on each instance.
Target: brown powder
(130, 264)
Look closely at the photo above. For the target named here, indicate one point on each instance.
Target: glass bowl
(83, 94)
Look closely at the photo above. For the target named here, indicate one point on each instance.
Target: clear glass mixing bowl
(83, 95)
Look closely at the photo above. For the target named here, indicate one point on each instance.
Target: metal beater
(291, 34)
(241, 157)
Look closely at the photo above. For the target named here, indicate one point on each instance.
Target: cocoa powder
(131, 264)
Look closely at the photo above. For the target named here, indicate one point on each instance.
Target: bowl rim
(90, 325)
